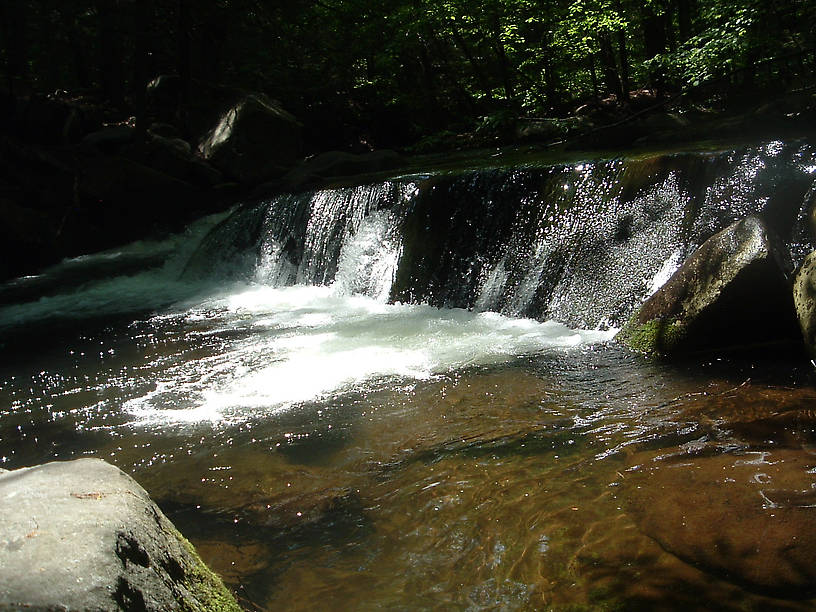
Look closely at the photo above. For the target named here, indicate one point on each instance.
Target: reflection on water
(326, 450)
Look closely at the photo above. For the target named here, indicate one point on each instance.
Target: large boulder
(128, 200)
(254, 140)
(804, 298)
(192, 113)
(173, 156)
(27, 239)
(82, 535)
(732, 293)
(111, 138)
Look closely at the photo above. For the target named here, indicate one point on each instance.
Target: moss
(657, 336)
(209, 591)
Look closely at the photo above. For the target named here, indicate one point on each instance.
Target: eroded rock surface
(83, 535)
(253, 141)
(748, 517)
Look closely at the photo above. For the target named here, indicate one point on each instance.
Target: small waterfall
(579, 243)
(368, 261)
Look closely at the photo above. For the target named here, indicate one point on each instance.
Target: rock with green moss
(83, 535)
(733, 293)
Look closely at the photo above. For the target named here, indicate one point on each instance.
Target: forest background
(423, 74)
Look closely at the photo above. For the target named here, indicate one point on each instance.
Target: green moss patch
(209, 590)
(657, 336)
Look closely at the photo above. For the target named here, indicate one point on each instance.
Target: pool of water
(325, 450)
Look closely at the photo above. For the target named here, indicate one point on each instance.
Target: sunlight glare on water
(297, 344)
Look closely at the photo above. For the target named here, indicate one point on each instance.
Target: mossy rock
(655, 336)
(733, 293)
(83, 535)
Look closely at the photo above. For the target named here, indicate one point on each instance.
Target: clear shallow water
(325, 449)
(331, 450)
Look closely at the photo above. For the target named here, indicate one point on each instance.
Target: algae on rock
(731, 293)
(83, 535)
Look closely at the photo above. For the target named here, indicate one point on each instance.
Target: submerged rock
(732, 293)
(804, 298)
(82, 535)
(254, 140)
(747, 517)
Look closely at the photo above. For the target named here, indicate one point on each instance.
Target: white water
(218, 351)
(113, 294)
(298, 344)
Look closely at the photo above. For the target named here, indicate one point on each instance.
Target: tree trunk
(475, 67)
(684, 20)
(654, 42)
(610, 71)
(183, 62)
(501, 54)
(551, 85)
(69, 19)
(594, 76)
(429, 85)
(624, 64)
(111, 51)
(143, 25)
(13, 19)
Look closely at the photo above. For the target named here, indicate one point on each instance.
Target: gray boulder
(83, 535)
(732, 293)
(254, 140)
(112, 138)
(804, 299)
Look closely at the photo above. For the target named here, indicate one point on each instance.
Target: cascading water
(582, 244)
(402, 394)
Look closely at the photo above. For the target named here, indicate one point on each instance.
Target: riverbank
(78, 178)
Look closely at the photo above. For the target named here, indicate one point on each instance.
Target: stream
(405, 395)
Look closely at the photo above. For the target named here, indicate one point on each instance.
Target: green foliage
(401, 70)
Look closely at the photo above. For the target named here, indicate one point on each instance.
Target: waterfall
(580, 243)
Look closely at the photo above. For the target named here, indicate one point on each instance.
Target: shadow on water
(324, 449)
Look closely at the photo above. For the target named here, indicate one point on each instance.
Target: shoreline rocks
(83, 535)
(255, 140)
(732, 293)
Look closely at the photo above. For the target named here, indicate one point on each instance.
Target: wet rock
(174, 157)
(50, 120)
(254, 140)
(259, 490)
(164, 130)
(335, 164)
(804, 298)
(748, 517)
(27, 238)
(133, 199)
(111, 139)
(192, 113)
(82, 535)
(731, 294)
